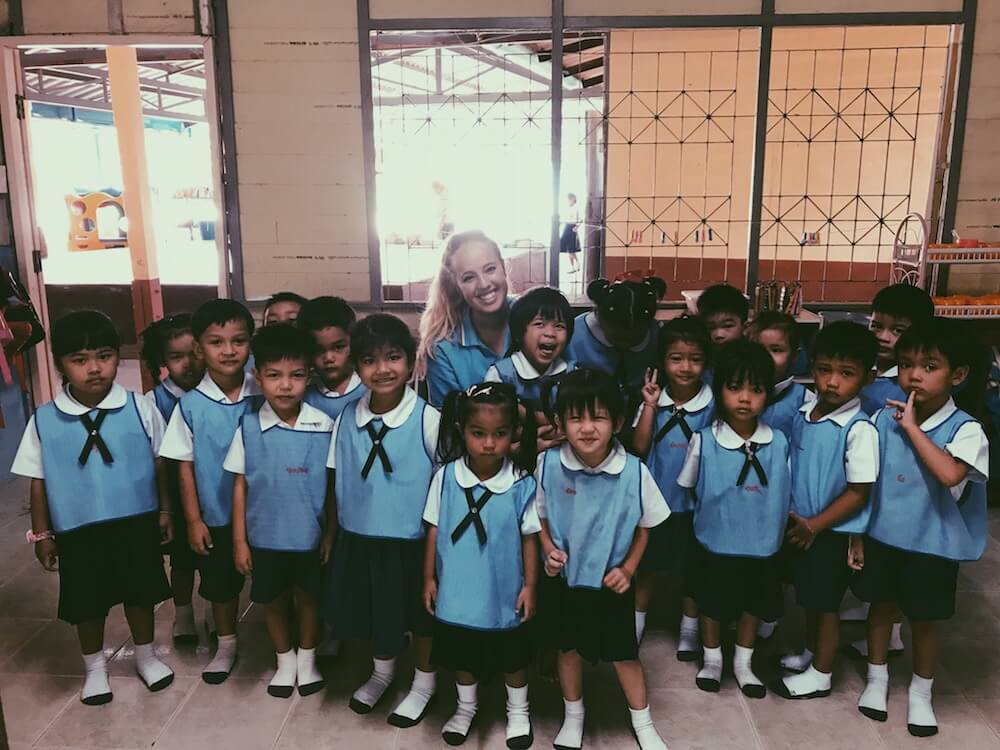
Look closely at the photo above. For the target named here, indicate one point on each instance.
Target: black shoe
(280, 691)
(523, 742)
(919, 730)
(707, 684)
(873, 713)
(312, 687)
(405, 722)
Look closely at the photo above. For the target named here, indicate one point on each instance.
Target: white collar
(211, 389)
(394, 417)
(939, 416)
(527, 371)
(613, 464)
(310, 419)
(700, 400)
(841, 415)
(172, 388)
(499, 483)
(726, 436)
(783, 386)
(594, 326)
(353, 382)
(65, 402)
(892, 372)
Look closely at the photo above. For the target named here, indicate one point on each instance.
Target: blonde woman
(464, 328)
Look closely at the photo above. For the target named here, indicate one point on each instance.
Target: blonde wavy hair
(445, 304)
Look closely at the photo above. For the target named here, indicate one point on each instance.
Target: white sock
(371, 692)
(518, 717)
(809, 682)
(766, 629)
(222, 663)
(896, 637)
(645, 732)
(456, 729)
(184, 626)
(797, 662)
(640, 625)
(96, 688)
(421, 691)
(309, 678)
(282, 685)
(571, 732)
(921, 719)
(745, 678)
(153, 672)
(710, 675)
(874, 700)
(688, 641)
(855, 614)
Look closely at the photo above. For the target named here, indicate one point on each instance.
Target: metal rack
(915, 262)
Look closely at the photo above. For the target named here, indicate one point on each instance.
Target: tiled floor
(40, 679)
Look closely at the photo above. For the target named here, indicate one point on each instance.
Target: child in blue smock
(282, 506)
(481, 564)
(169, 344)
(96, 515)
(779, 334)
(382, 456)
(198, 436)
(335, 383)
(597, 503)
(619, 335)
(737, 468)
(834, 464)
(677, 402)
(928, 510)
(894, 309)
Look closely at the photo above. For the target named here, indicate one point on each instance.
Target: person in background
(569, 239)
(169, 344)
(724, 311)
(283, 307)
(96, 514)
(779, 334)
(463, 329)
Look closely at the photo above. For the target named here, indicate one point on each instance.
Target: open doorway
(77, 199)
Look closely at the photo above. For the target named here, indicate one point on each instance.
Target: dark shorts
(597, 623)
(820, 574)
(729, 585)
(670, 549)
(923, 586)
(220, 581)
(373, 590)
(182, 557)
(277, 572)
(115, 562)
(482, 653)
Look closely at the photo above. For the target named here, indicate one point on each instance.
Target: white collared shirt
(698, 402)
(393, 418)
(526, 370)
(892, 372)
(594, 326)
(654, 507)
(969, 445)
(310, 419)
(28, 460)
(861, 458)
(499, 483)
(178, 442)
(169, 386)
(725, 436)
(783, 386)
(352, 382)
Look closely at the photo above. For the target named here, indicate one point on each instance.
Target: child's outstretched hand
(431, 595)
(199, 537)
(800, 531)
(166, 527)
(47, 554)
(856, 553)
(555, 561)
(650, 388)
(618, 580)
(905, 413)
(525, 606)
(242, 558)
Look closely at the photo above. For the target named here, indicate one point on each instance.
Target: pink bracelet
(32, 538)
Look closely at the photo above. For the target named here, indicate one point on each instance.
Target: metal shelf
(971, 312)
(962, 255)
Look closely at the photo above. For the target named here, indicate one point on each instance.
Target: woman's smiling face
(480, 276)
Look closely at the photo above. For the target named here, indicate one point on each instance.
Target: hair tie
(479, 389)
